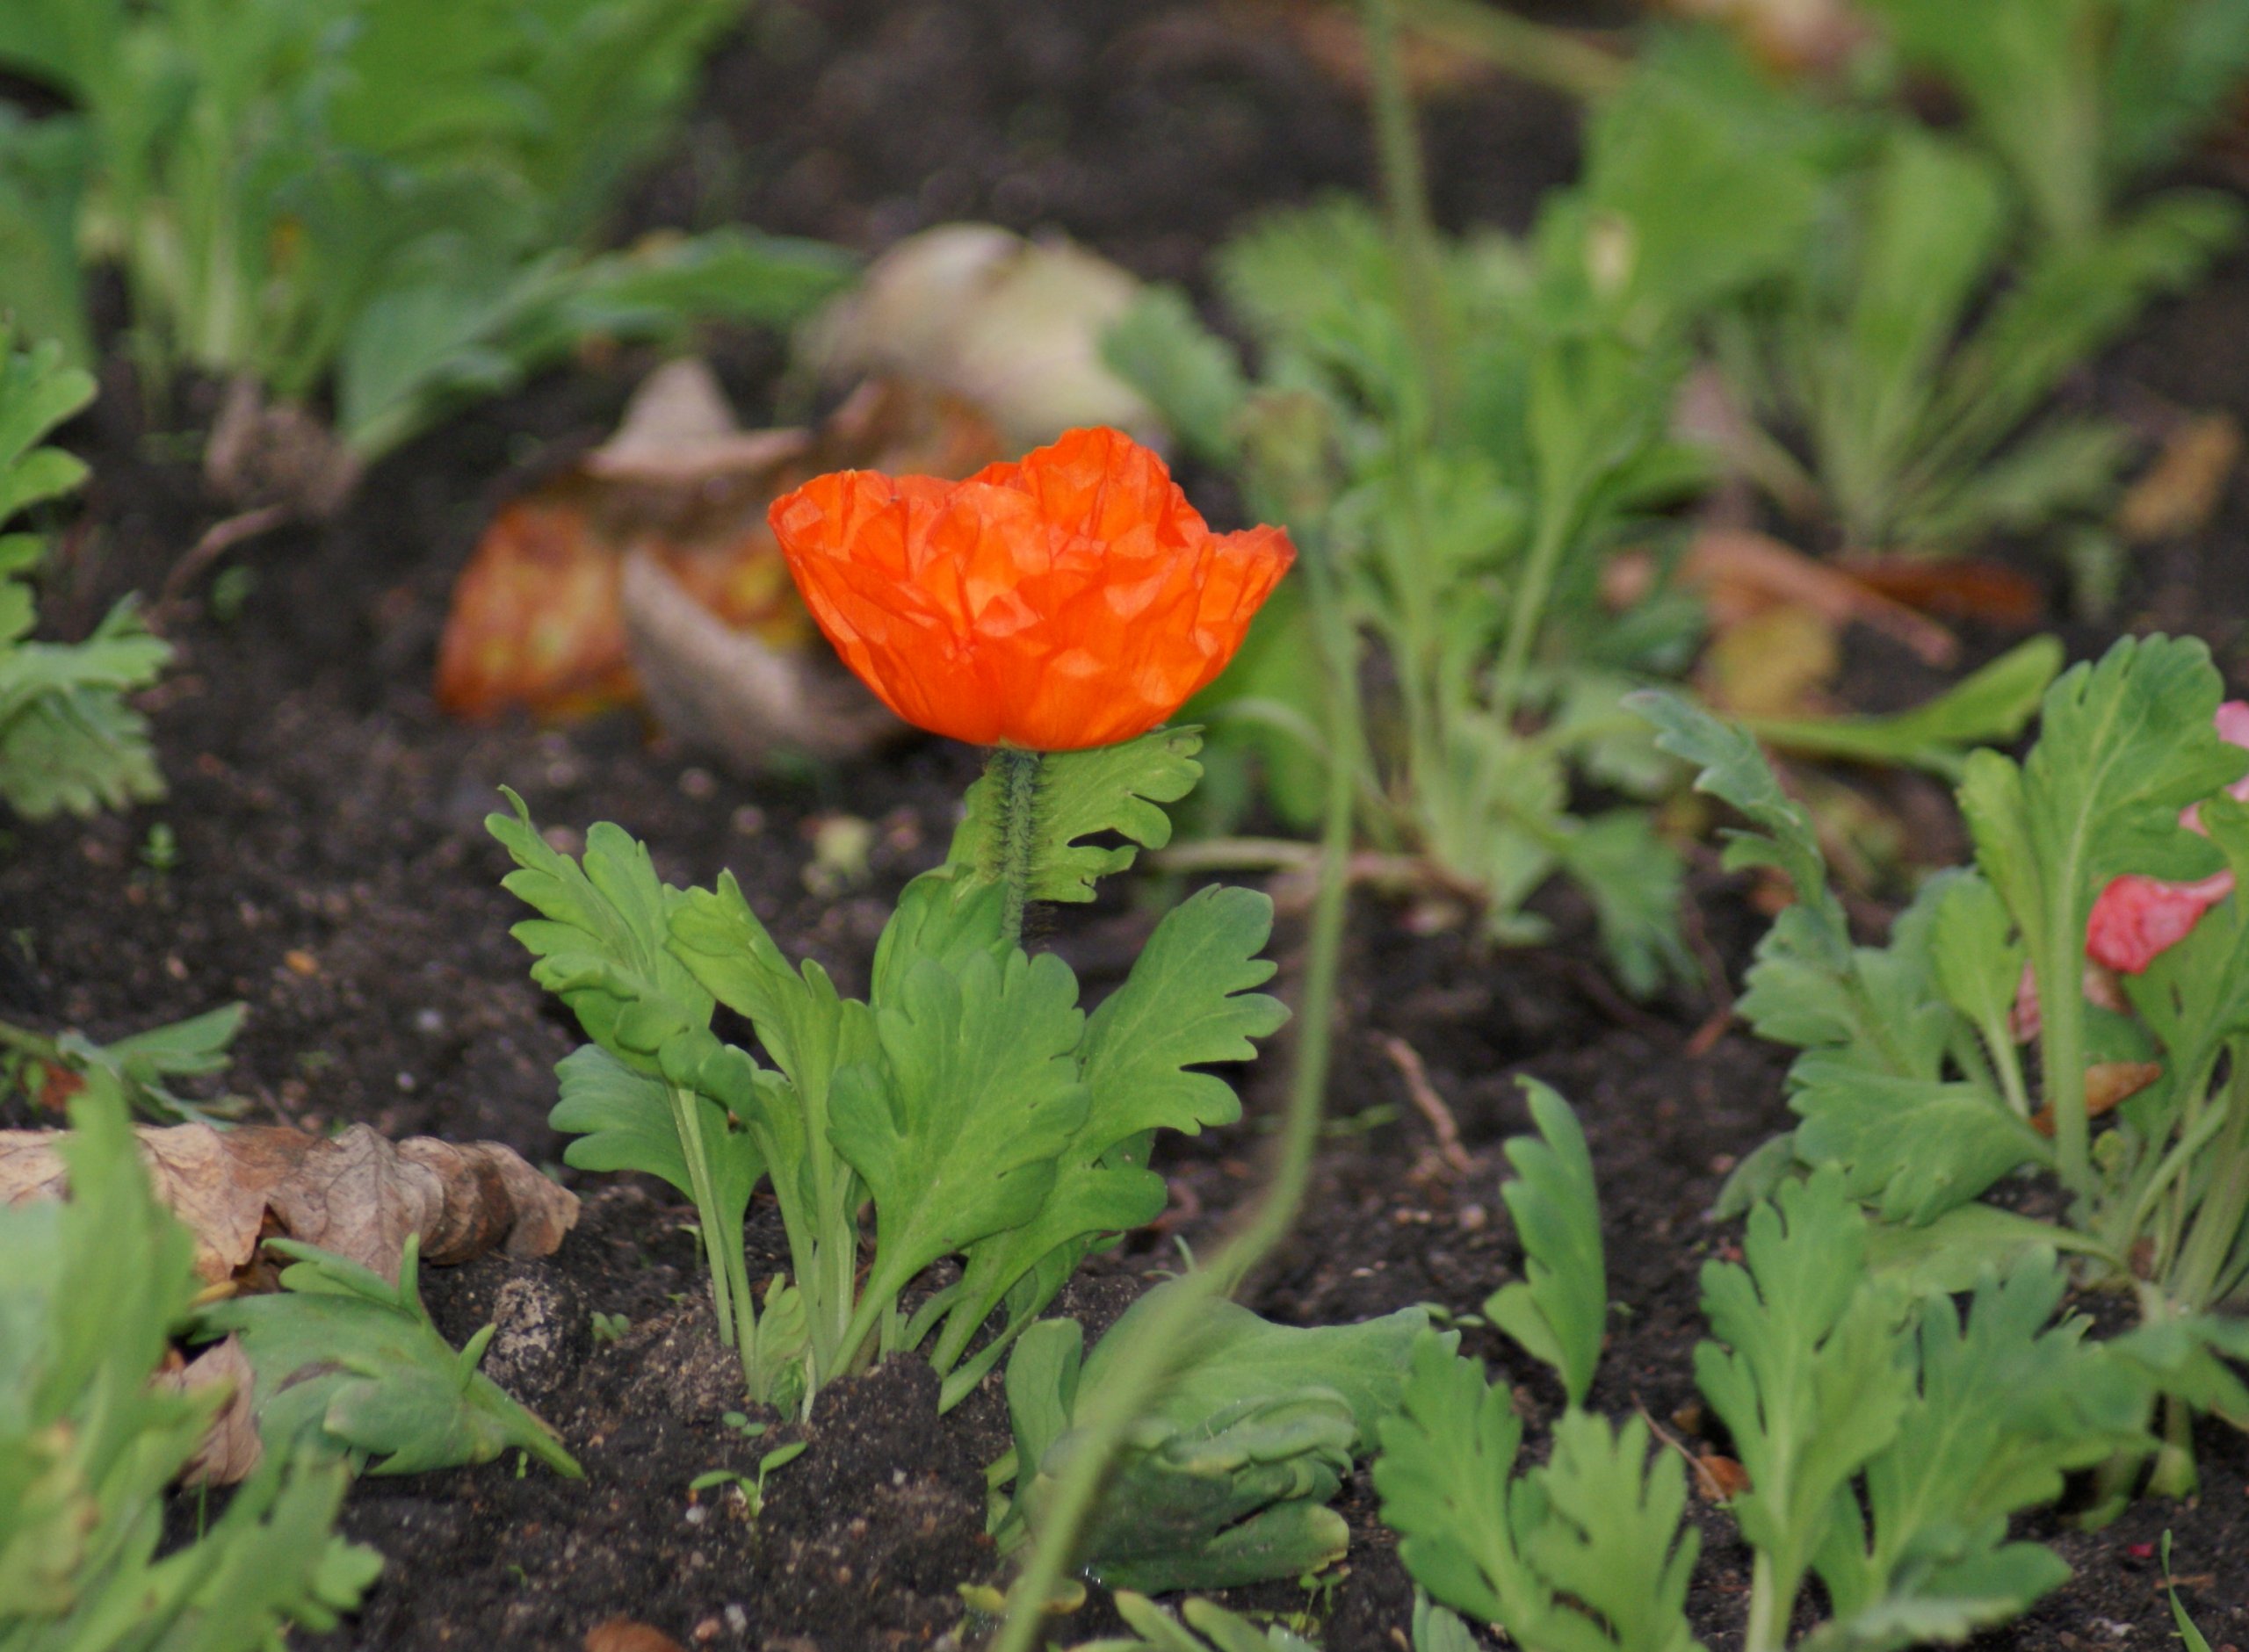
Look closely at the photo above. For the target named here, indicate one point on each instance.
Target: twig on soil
(1706, 1483)
(1429, 1104)
(218, 539)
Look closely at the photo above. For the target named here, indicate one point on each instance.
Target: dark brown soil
(332, 870)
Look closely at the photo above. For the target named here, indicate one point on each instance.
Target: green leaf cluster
(88, 1442)
(69, 740)
(353, 1364)
(1225, 1479)
(1886, 1441)
(968, 1098)
(396, 196)
(1913, 1082)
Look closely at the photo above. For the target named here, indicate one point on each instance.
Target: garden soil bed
(332, 870)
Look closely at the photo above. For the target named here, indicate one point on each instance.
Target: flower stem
(1143, 1366)
(1015, 777)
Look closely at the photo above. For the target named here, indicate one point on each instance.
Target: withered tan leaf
(231, 1448)
(358, 1194)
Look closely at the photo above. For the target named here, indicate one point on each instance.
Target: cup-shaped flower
(1073, 598)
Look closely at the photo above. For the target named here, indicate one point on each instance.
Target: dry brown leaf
(1958, 587)
(230, 1448)
(1742, 573)
(1333, 38)
(358, 1194)
(2106, 1083)
(623, 1634)
(541, 620)
(2177, 495)
(1719, 1479)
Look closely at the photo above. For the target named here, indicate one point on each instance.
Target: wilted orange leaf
(1959, 587)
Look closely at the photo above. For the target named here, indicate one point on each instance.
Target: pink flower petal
(2137, 918)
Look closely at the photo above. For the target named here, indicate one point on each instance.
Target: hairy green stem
(1015, 777)
(1144, 1365)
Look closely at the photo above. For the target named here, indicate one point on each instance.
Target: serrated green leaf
(1209, 1628)
(1584, 1555)
(1079, 795)
(602, 941)
(957, 1130)
(1559, 1311)
(1447, 1459)
(89, 1441)
(1806, 1369)
(2003, 1407)
(1733, 770)
(1878, 1129)
(344, 1358)
(1187, 1003)
(1610, 1539)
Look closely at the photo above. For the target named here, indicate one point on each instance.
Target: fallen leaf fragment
(2106, 1083)
(1742, 573)
(231, 1448)
(1958, 587)
(358, 1194)
(2177, 495)
(548, 617)
(1719, 1479)
(623, 1634)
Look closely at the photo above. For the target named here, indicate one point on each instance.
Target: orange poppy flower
(1071, 599)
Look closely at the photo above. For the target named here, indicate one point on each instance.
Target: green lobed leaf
(601, 938)
(1583, 1555)
(1915, 1148)
(1559, 1312)
(1187, 1003)
(1806, 1368)
(957, 1128)
(354, 1363)
(1110, 789)
(2004, 1405)
(1610, 1539)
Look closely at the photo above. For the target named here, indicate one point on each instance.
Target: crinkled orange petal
(1070, 599)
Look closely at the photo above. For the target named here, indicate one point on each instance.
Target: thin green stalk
(2217, 1219)
(1534, 52)
(1527, 609)
(1016, 774)
(38, 1046)
(1144, 1365)
(730, 1297)
(1766, 1630)
(1404, 190)
(2062, 1045)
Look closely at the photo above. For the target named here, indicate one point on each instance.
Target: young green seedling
(351, 1362)
(1226, 1480)
(1913, 1080)
(94, 1289)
